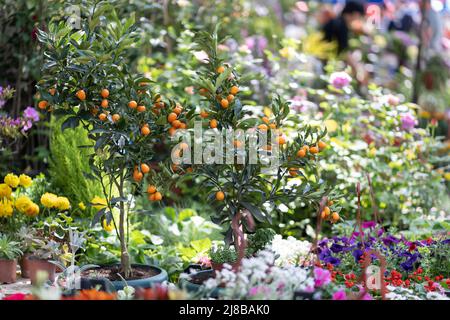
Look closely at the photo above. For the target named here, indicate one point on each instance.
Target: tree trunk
(124, 255)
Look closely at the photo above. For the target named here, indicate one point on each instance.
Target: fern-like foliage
(69, 163)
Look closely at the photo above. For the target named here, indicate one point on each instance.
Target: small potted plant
(26, 236)
(9, 252)
(40, 260)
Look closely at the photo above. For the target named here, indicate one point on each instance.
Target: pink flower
(339, 295)
(205, 261)
(408, 121)
(322, 277)
(340, 80)
(392, 100)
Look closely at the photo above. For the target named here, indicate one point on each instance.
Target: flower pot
(145, 276)
(36, 265)
(25, 265)
(8, 269)
(195, 281)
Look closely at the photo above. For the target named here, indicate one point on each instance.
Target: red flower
(16, 296)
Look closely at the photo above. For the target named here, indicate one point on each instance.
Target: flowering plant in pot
(87, 80)
(245, 193)
(44, 251)
(9, 252)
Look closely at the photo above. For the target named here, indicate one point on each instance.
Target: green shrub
(69, 163)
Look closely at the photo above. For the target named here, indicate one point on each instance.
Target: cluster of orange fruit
(139, 174)
(104, 104)
(43, 104)
(173, 119)
(223, 101)
(153, 193)
(326, 214)
(301, 153)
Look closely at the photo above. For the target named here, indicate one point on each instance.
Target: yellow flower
(287, 52)
(6, 208)
(22, 203)
(331, 125)
(108, 227)
(447, 176)
(32, 210)
(12, 180)
(82, 206)
(62, 203)
(49, 200)
(5, 190)
(25, 181)
(98, 203)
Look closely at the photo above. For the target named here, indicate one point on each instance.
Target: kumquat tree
(224, 150)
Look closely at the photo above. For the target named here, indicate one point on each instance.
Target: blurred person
(338, 30)
(403, 19)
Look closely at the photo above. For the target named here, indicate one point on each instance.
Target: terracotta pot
(36, 265)
(219, 266)
(25, 265)
(8, 269)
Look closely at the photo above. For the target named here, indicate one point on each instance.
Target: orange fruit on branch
(230, 97)
(177, 110)
(105, 103)
(224, 103)
(234, 90)
(176, 124)
(115, 117)
(301, 153)
(157, 196)
(81, 95)
(105, 93)
(220, 69)
(172, 117)
(141, 108)
(151, 189)
(220, 196)
(137, 175)
(145, 130)
(132, 104)
(335, 217)
(145, 168)
(322, 145)
(213, 123)
(102, 116)
(204, 114)
(314, 150)
(42, 104)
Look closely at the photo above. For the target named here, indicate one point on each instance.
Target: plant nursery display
(224, 150)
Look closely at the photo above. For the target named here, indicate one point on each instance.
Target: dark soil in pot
(111, 273)
(142, 276)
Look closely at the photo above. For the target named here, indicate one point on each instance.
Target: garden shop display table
(21, 285)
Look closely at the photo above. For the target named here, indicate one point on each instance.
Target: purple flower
(357, 254)
(408, 121)
(31, 114)
(322, 277)
(332, 260)
(27, 124)
(339, 295)
(368, 224)
(257, 43)
(340, 80)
